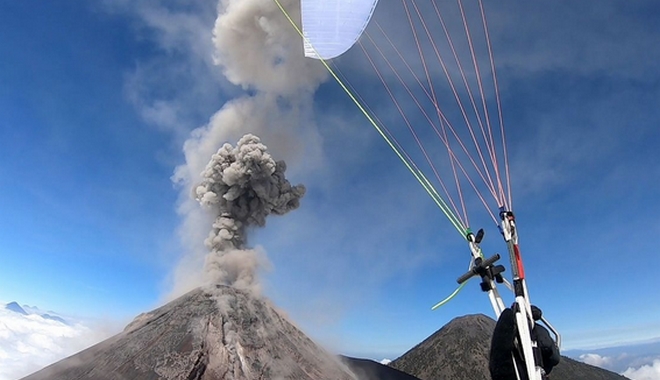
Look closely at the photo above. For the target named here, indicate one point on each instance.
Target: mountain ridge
(16, 308)
(224, 333)
(460, 351)
(206, 334)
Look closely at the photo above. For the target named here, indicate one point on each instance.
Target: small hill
(460, 351)
(366, 369)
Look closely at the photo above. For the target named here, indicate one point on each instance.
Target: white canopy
(331, 27)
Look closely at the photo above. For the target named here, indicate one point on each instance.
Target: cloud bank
(29, 342)
(645, 372)
(637, 366)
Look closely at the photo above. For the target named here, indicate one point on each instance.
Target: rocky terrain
(223, 333)
(204, 335)
(460, 351)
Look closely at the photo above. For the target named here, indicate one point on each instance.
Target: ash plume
(242, 185)
(259, 52)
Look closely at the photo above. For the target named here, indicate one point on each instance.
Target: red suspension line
(435, 102)
(458, 64)
(488, 142)
(453, 169)
(384, 127)
(451, 128)
(460, 104)
(501, 198)
(468, 89)
(446, 142)
(499, 110)
(411, 129)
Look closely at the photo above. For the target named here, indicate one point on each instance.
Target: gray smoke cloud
(242, 185)
(257, 50)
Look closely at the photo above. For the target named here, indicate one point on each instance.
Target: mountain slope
(225, 333)
(370, 370)
(460, 351)
(16, 308)
(222, 334)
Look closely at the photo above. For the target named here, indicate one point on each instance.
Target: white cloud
(31, 342)
(637, 362)
(385, 361)
(597, 360)
(645, 372)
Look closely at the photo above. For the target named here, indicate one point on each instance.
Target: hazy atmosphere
(111, 111)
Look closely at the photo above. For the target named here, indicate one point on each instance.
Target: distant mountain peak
(15, 307)
(472, 323)
(54, 318)
(460, 350)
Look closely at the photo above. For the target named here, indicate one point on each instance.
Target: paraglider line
(410, 127)
(421, 178)
(443, 118)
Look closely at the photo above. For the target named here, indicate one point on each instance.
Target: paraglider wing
(331, 27)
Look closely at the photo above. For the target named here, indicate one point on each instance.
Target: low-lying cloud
(645, 372)
(635, 366)
(29, 342)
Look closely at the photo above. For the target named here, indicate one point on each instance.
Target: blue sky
(97, 100)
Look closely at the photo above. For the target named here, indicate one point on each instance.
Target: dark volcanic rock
(226, 334)
(367, 369)
(457, 351)
(460, 351)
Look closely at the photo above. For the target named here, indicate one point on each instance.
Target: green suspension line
(421, 178)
